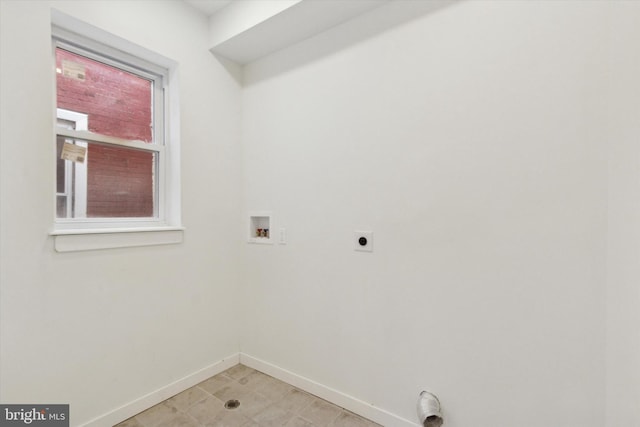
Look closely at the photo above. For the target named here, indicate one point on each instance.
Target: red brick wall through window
(120, 181)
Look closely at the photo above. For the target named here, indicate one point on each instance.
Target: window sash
(144, 69)
(99, 52)
(108, 55)
(83, 135)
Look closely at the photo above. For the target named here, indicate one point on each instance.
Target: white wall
(472, 140)
(623, 266)
(476, 140)
(101, 329)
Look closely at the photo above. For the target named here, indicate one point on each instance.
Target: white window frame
(165, 227)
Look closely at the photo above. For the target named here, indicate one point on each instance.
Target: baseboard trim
(130, 409)
(350, 403)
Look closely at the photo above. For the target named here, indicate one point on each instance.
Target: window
(116, 154)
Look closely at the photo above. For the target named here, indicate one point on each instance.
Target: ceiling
(208, 7)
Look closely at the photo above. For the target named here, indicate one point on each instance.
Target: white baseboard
(350, 403)
(130, 409)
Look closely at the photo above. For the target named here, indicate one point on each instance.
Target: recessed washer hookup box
(34, 415)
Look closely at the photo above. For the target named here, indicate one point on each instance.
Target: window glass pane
(113, 182)
(118, 103)
(60, 169)
(120, 182)
(61, 206)
(109, 181)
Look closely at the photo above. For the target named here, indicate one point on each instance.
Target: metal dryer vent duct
(429, 410)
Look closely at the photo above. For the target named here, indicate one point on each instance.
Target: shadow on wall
(340, 37)
(235, 70)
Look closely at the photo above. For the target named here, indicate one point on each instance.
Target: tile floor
(264, 402)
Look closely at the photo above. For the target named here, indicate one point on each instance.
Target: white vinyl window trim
(103, 233)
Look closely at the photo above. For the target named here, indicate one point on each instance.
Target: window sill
(93, 239)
